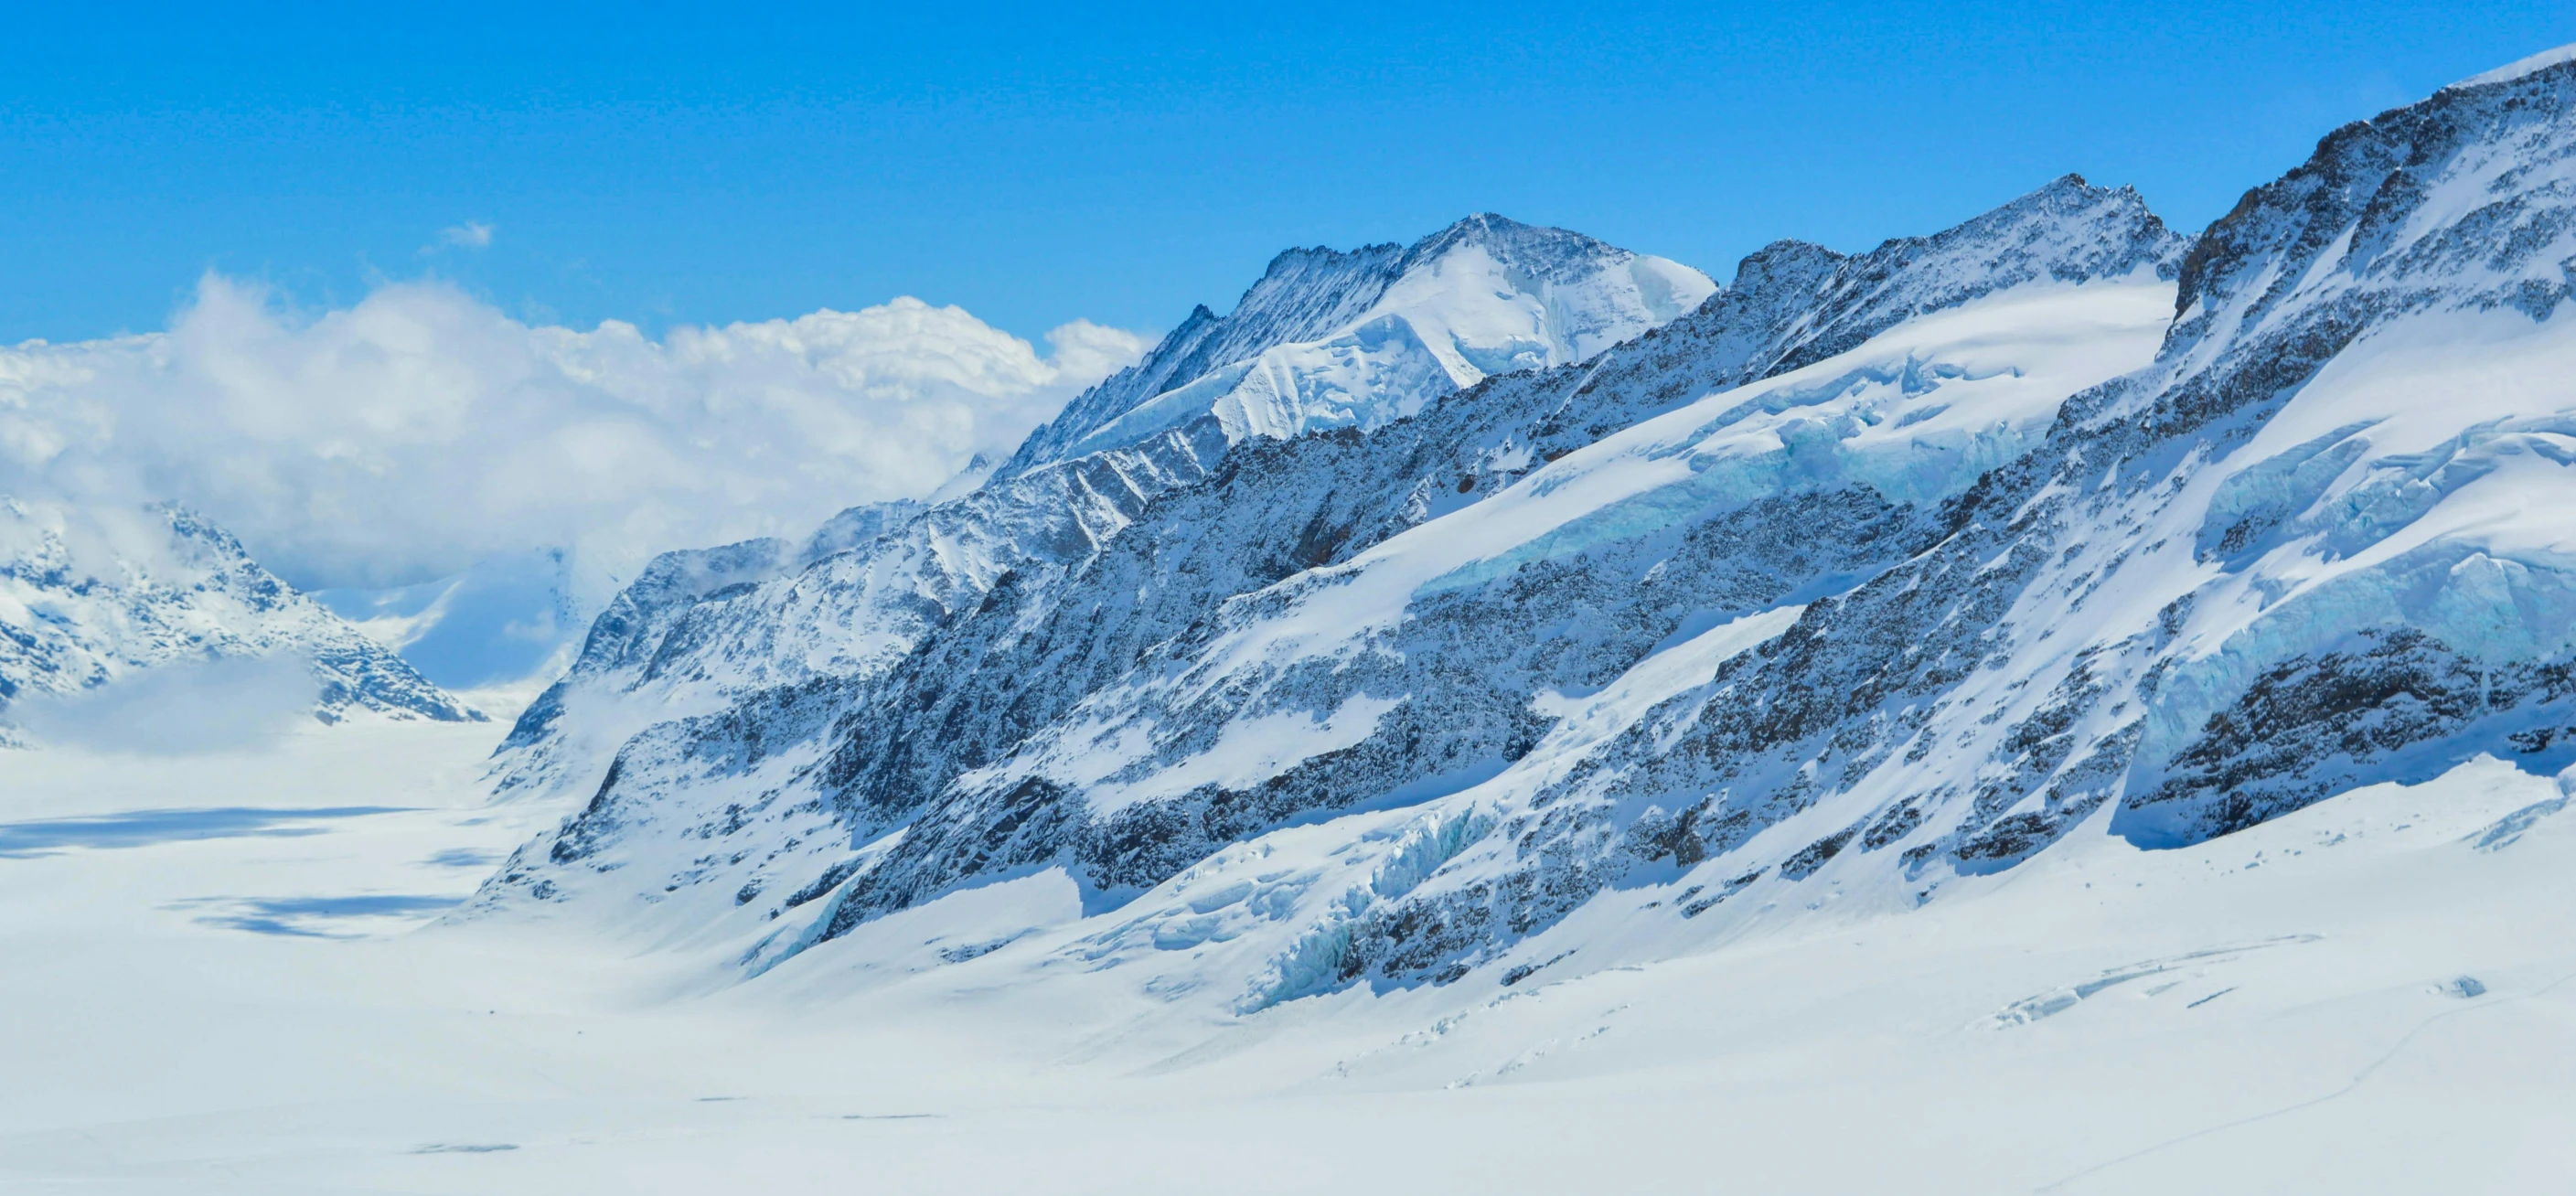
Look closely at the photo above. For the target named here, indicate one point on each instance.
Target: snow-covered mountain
(1869, 574)
(90, 598)
(1324, 340)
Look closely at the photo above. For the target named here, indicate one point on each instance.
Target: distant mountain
(508, 619)
(1867, 574)
(93, 598)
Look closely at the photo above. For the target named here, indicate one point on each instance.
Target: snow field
(2281, 1009)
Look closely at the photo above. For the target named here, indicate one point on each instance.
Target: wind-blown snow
(2517, 69)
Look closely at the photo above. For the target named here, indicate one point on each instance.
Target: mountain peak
(1555, 255)
(1479, 227)
(1485, 295)
(1489, 229)
(2404, 206)
(2069, 193)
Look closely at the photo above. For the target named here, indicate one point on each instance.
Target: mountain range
(1380, 634)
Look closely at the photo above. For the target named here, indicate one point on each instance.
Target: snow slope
(92, 598)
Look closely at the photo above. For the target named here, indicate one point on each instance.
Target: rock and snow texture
(91, 598)
(1044, 640)
(1870, 575)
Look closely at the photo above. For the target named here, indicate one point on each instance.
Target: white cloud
(179, 708)
(473, 234)
(422, 430)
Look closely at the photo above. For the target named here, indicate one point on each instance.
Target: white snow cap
(2505, 74)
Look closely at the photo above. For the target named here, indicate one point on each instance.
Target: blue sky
(667, 163)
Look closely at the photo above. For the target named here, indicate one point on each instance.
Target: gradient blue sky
(697, 163)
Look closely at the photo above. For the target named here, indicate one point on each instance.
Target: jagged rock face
(2201, 600)
(1470, 658)
(701, 630)
(2395, 366)
(1871, 572)
(88, 598)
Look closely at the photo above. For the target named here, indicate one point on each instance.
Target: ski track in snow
(2359, 1078)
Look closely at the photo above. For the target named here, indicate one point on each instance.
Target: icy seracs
(1867, 573)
